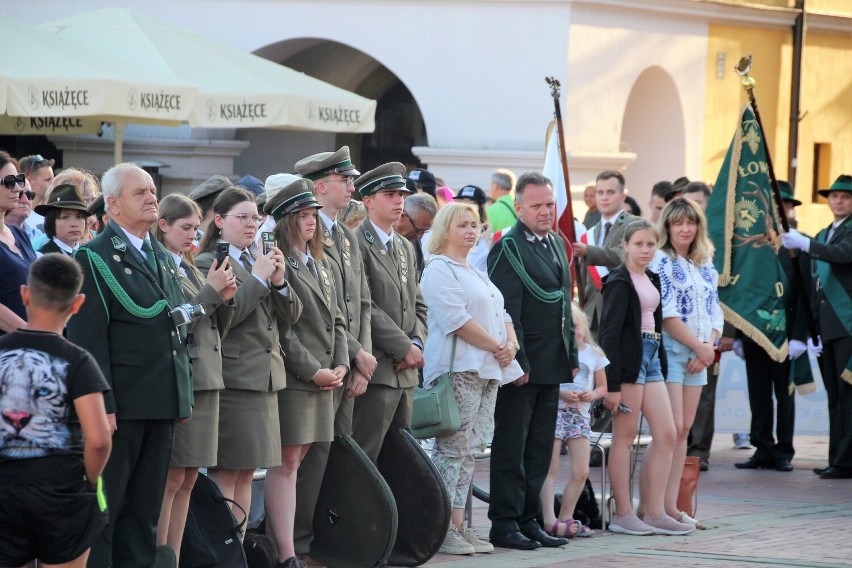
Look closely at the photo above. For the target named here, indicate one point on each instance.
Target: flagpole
(748, 83)
(569, 233)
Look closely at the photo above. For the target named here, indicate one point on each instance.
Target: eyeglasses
(37, 159)
(30, 194)
(245, 219)
(418, 232)
(348, 181)
(11, 180)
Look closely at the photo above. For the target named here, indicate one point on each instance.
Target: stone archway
(653, 128)
(399, 122)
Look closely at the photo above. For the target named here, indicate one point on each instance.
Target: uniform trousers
(835, 356)
(134, 483)
(524, 426)
(376, 411)
(764, 377)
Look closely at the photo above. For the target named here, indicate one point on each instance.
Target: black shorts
(53, 522)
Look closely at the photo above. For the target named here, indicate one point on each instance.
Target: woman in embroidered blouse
(464, 305)
(692, 322)
(16, 252)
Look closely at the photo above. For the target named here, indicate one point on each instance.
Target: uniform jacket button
(215, 348)
(269, 350)
(269, 327)
(328, 351)
(328, 328)
(212, 326)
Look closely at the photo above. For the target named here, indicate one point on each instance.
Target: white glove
(796, 348)
(815, 349)
(794, 240)
(738, 348)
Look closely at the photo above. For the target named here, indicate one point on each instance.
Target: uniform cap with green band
(210, 187)
(65, 196)
(296, 196)
(387, 177)
(327, 163)
(843, 183)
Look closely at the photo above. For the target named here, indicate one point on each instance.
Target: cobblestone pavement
(754, 518)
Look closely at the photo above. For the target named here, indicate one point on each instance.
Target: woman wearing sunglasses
(16, 252)
(64, 220)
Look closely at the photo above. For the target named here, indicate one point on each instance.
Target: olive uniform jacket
(205, 333)
(251, 352)
(398, 312)
(144, 359)
(318, 339)
(350, 284)
(545, 330)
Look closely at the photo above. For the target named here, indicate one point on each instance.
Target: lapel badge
(382, 252)
(404, 278)
(292, 262)
(328, 242)
(116, 258)
(118, 244)
(369, 236)
(529, 236)
(128, 271)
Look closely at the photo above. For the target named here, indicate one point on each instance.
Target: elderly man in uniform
(398, 318)
(530, 266)
(133, 285)
(333, 175)
(602, 249)
(830, 255)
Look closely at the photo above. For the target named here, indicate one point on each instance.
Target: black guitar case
(422, 502)
(355, 521)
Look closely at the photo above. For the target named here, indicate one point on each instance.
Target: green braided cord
(95, 261)
(534, 289)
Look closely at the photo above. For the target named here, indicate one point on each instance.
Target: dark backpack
(211, 537)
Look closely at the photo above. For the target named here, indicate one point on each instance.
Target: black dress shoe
(836, 473)
(783, 464)
(545, 539)
(514, 540)
(754, 463)
(819, 470)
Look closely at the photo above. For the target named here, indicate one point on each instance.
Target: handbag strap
(455, 337)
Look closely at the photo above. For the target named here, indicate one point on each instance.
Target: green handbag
(436, 412)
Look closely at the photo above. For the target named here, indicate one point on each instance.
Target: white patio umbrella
(54, 79)
(236, 89)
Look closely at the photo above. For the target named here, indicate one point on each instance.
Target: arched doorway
(653, 128)
(399, 123)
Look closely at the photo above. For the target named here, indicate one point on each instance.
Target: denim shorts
(678, 356)
(651, 371)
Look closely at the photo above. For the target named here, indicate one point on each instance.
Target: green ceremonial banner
(743, 223)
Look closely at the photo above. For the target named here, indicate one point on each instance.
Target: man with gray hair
(133, 286)
(501, 213)
(418, 212)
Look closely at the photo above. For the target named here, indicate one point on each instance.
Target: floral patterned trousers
(453, 454)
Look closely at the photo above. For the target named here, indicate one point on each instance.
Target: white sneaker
(473, 539)
(630, 524)
(454, 543)
(665, 525)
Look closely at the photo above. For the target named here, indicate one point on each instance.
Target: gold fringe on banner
(777, 354)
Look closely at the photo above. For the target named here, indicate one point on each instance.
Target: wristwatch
(283, 285)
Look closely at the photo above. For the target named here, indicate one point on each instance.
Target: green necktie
(149, 257)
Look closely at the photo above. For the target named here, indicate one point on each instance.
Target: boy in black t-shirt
(54, 435)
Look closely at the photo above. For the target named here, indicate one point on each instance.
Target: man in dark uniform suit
(333, 174)
(830, 269)
(398, 313)
(132, 285)
(530, 267)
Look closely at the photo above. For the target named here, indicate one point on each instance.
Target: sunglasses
(30, 194)
(11, 180)
(37, 159)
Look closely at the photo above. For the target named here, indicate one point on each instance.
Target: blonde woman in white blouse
(465, 305)
(692, 322)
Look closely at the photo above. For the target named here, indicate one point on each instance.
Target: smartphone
(222, 250)
(624, 408)
(268, 239)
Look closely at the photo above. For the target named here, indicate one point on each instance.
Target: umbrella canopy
(236, 89)
(44, 75)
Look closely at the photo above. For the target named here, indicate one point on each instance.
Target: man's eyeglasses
(348, 181)
(246, 219)
(30, 194)
(418, 232)
(11, 180)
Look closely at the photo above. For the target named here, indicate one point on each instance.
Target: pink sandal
(565, 529)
